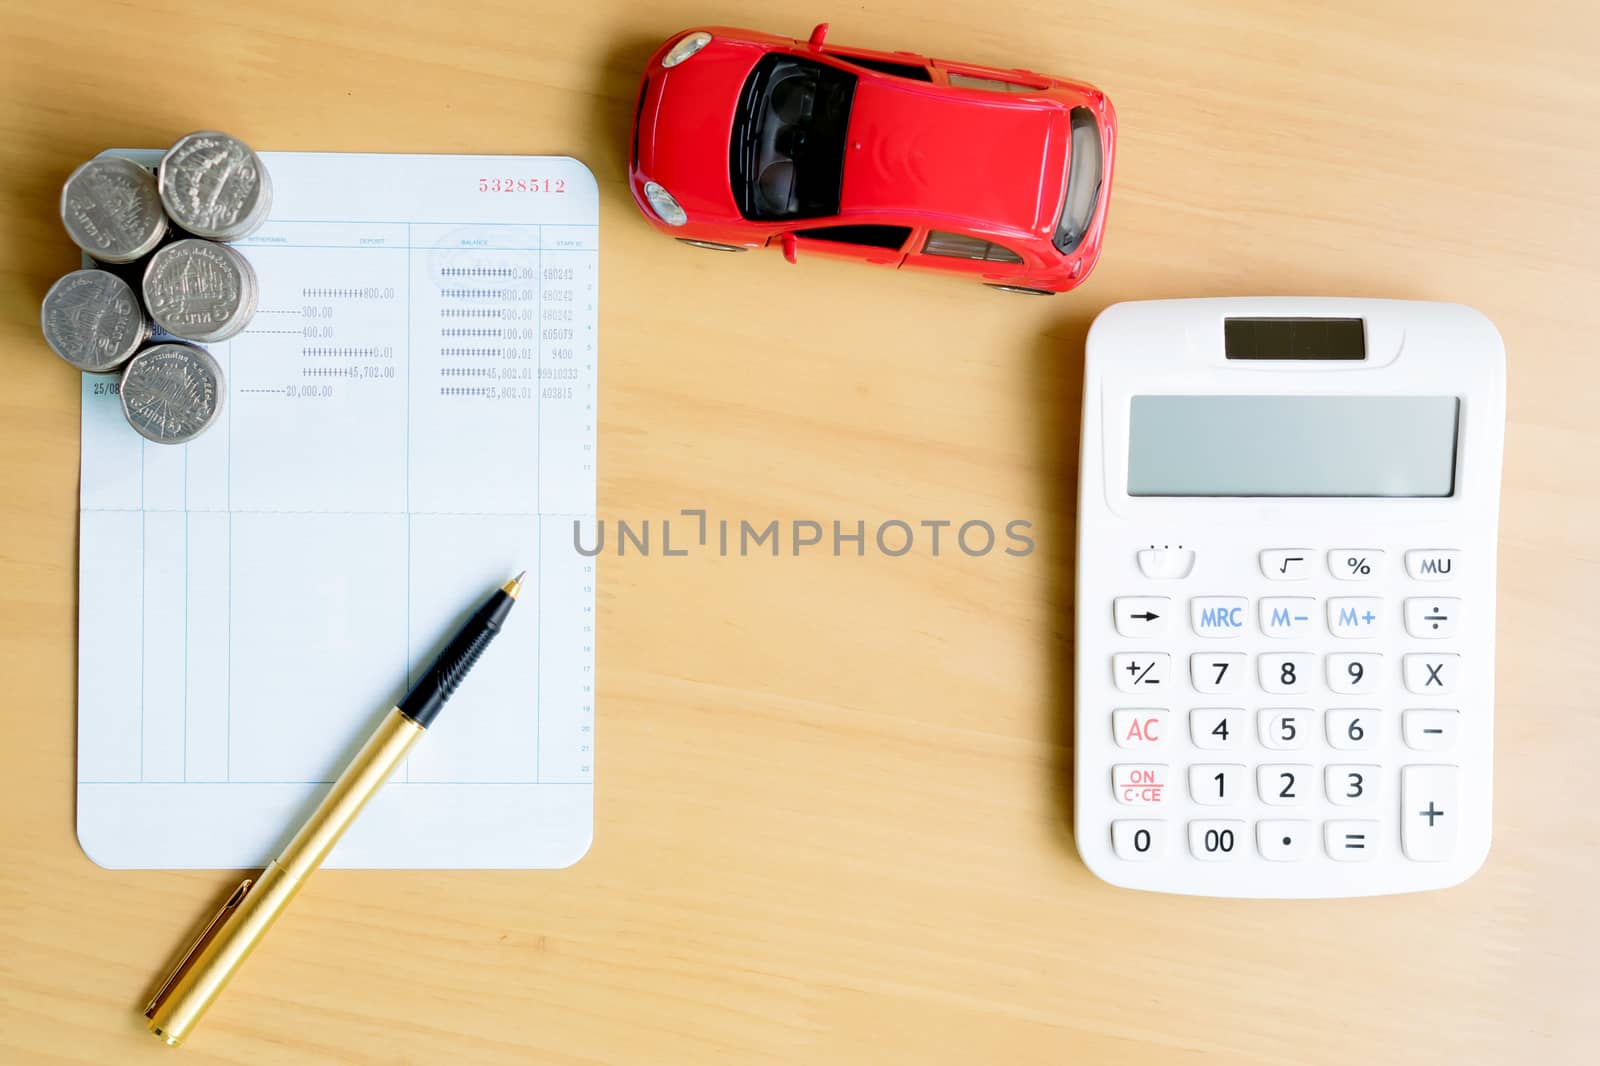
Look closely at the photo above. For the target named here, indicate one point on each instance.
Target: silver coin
(112, 209)
(93, 320)
(200, 290)
(214, 186)
(171, 393)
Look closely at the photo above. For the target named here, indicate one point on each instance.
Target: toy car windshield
(1085, 171)
(787, 155)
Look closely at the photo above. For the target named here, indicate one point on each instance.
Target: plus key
(1429, 803)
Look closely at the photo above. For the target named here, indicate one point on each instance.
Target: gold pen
(223, 943)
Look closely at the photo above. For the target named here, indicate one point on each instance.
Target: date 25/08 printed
(522, 185)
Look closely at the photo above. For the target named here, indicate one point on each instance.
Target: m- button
(1287, 617)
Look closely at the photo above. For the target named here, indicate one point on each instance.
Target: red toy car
(743, 139)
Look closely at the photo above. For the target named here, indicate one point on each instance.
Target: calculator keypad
(1265, 734)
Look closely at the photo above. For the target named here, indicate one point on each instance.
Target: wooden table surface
(833, 792)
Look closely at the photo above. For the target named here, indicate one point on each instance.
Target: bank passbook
(410, 413)
(1286, 595)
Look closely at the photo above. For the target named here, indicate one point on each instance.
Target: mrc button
(1217, 616)
(1140, 784)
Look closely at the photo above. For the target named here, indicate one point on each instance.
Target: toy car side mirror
(791, 247)
(818, 35)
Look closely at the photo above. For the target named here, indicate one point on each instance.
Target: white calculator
(1285, 595)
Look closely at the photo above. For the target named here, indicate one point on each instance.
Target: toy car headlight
(666, 207)
(685, 48)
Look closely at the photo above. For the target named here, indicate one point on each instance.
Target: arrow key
(1142, 616)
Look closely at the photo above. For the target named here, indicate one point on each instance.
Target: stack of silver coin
(214, 186)
(200, 290)
(93, 320)
(161, 231)
(171, 393)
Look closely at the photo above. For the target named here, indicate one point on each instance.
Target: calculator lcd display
(1392, 446)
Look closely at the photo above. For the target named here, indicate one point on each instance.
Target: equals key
(1351, 841)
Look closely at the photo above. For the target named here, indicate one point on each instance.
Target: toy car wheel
(1024, 290)
(713, 245)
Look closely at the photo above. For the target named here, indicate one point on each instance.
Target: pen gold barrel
(180, 1003)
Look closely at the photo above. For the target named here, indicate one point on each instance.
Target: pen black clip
(186, 956)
